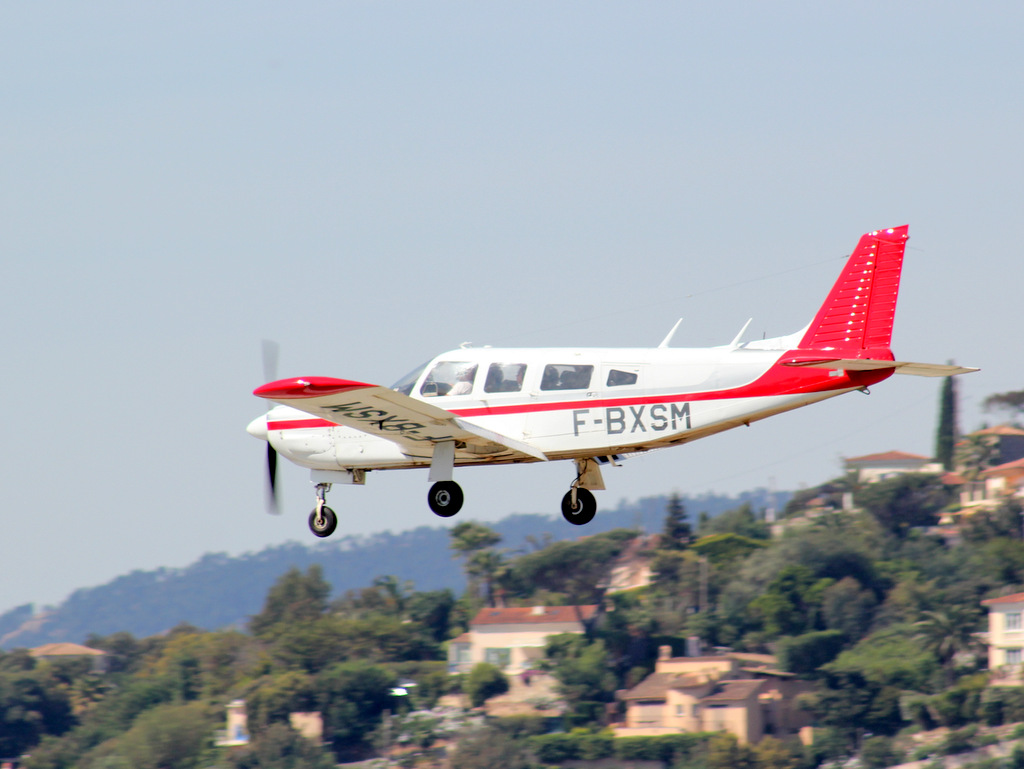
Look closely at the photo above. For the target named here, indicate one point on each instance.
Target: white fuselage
(606, 402)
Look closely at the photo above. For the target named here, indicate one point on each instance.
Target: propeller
(270, 351)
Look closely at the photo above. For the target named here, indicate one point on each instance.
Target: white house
(514, 638)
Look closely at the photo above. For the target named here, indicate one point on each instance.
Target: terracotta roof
(1017, 464)
(533, 615)
(657, 685)
(890, 456)
(64, 650)
(1000, 430)
(465, 638)
(733, 691)
(1012, 598)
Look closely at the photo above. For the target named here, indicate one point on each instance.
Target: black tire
(445, 498)
(330, 522)
(585, 510)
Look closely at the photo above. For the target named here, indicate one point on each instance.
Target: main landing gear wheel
(445, 498)
(583, 511)
(324, 523)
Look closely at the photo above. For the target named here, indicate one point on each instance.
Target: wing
(412, 424)
(867, 364)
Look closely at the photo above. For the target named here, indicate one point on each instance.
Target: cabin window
(618, 378)
(406, 383)
(449, 378)
(505, 378)
(559, 376)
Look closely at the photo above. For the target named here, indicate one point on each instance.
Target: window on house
(498, 657)
(695, 711)
(680, 710)
(1013, 620)
(1013, 656)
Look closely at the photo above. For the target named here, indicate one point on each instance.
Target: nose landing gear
(322, 521)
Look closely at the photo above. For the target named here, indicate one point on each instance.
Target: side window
(505, 378)
(566, 377)
(618, 378)
(449, 378)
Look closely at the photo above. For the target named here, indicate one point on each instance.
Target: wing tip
(306, 387)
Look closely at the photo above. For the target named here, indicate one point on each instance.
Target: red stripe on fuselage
(778, 380)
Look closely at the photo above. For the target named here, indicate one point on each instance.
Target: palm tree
(947, 632)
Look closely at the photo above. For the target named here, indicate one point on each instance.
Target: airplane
(593, 406)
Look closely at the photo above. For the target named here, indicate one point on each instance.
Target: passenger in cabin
(464, 385)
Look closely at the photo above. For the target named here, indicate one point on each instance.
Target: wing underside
(412, 424)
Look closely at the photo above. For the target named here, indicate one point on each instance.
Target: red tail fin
(859, 311)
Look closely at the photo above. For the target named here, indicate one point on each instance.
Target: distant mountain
(220, 591)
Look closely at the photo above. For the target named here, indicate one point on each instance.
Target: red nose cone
(306, 387)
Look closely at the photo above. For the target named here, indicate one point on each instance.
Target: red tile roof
(533, 615)
(733, 691)
(65, 650)
(1000, 430)
(1012, 598)
(890, 456)
(1014, 465)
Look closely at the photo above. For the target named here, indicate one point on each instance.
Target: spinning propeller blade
(270, 352)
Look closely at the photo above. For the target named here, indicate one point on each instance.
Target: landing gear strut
(445, 498)
(322, 521)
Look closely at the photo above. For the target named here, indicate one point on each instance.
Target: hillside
(220, 590)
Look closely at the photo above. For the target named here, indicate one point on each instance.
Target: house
(1005, 639)
(743, 694)
(63, 651)
(872, 468)
(514, 638)
(632, 568)
(1006, 440)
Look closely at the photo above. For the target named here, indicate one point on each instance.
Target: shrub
(483, 682)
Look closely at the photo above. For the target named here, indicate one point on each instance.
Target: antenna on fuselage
(735, 344)
(672, 333)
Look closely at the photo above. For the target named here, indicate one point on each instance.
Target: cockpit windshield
(406, 383)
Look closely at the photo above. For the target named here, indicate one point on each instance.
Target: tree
(946, 433)
(473, 542)
(1012, 401)
(295, 597)
(947, 632)
(489, 749)
(677, 533)
(903, 502)
(975, 454)
(351, 697)
(483, 682)
(281, 747)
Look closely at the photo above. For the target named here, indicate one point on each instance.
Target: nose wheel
(445, 498)
(322, 521)
(579, 506)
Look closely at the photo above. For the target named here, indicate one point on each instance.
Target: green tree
(947, 632)
(489, 749)
(946, 433)
(676, 533)
(474, 543)
(1012, 402)
(168, 736)
(31, 704)
(281, 747)
(295, 597)
(483, 682)
(351, 697)
(903, 502)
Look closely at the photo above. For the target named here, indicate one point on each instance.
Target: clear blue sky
(372, 183)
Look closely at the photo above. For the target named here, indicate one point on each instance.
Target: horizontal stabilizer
(867, 364)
